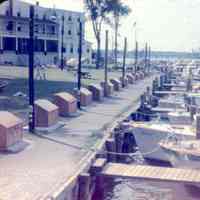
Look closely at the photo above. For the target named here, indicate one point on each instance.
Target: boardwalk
(152, 173)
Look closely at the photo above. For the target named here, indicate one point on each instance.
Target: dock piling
(84, 186)
(110, 147)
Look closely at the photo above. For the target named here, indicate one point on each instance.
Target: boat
(182, 154)
(175, 119)
(148, 135)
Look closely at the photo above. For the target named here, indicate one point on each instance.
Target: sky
(166, 25)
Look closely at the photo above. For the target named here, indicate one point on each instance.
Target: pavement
(49, 160)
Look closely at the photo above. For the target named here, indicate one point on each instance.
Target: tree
(118, 10)
(97, 11)
(1, 1)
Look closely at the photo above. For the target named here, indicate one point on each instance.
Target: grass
(57, 81)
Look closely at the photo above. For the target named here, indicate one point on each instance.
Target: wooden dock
(170, 92)
(186, 176)
(173, 85)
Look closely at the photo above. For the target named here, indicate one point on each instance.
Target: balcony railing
(26, 34)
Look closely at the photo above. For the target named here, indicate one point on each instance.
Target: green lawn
(57, 81)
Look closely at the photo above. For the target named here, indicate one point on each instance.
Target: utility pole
(106, 61)
(136, 47)
(79, 63)
(136, 55)
(31, 72)
(145, 58)
(116, 16)
(149, 58)
(62, 40)
(124, 62)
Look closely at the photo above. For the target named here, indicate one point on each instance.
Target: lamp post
(31, 72)
(79, 62)
(106, 65)
(149, 59)
(62, 46)
(136, 47)
(124, 62)
(145, 58)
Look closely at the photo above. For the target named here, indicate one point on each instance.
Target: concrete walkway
(51, 159)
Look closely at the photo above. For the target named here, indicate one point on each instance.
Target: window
(52, 45)
(19, 28)
(69, 32)
(69, 18)
(43, 28)
(9, 26)
(39, 45)
(78, 19)
(23, 45)
(9, 43)
(36, 28)
(18, 14)
(78, 32)
(51, 29)
(88, 50)
(71, 49)
(7, 13)
(63, 49)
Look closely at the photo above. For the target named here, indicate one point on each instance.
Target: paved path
(49, 161)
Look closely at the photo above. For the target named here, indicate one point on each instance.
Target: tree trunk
(98, 53)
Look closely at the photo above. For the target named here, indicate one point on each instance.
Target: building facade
(56, 33)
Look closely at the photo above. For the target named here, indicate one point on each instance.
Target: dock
(173, 85)
(51, 164)
(170, 92)
(186, 176)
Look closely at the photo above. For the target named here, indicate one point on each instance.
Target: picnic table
(86, 75)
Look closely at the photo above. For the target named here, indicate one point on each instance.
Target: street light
(124, 63)
(80, 63)
(145, 58)
(149, 63)
(31, 72)
(136, 46)
(106, 66)
(62, 46)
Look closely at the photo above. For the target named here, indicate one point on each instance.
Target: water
(123, 189)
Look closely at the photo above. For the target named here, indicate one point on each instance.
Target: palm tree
(118, 10)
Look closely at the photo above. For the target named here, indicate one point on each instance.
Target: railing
(26, 34)
(5, 32)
